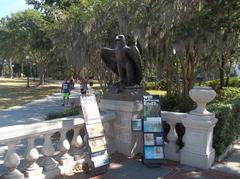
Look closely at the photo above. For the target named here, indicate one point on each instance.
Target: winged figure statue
(124, 61)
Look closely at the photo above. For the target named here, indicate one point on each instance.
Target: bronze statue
(124, 61)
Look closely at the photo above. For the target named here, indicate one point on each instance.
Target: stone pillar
(171, 148)
(124, 140)
(199, 124)
(33, 170)
(11, 162)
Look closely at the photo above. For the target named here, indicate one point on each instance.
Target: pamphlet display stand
(96, 139)
(152, 127)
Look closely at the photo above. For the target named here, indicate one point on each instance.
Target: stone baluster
(171, 149)
(11, 161)
(77, 143)
(48, 151)
(33, 170)
(63, 147)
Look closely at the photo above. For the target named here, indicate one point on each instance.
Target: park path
(37, 110)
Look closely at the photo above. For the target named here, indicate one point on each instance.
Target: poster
(151, 106)
(153, 139)
(97, 144)
(136, 124)
(158, 139)
(90, 109)
(152, 124)
(100, 158)
(95, 130)
(148, 139)
(153, 152)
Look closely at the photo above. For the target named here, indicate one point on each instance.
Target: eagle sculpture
(124, 61)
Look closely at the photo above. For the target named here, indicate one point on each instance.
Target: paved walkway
(120, 167)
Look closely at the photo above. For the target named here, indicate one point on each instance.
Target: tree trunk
(221, 71)
(41, 74)
(1, 67)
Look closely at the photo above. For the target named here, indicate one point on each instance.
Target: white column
(33, 170)
(11, 161)
(171, 148)
(63, 147)
(48, 151)
(77, 144)
(199, 124)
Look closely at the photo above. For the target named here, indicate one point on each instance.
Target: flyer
(136, 124)
(95, 130)
(152, 124)
(151, 106)
(97, 144)
(148, 139)
(90, 109)
(100, 158)
(158, 139)
(153, 152)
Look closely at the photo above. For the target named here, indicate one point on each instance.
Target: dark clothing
(66, 87)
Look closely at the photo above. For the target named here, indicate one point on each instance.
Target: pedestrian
(83, 86)
(65, 91)
(71, 84)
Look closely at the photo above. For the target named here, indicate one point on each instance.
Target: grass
(68, 112)
(157, 92)
(13, 92)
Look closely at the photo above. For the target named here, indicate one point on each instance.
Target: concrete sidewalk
(35, 111)
(122, 167)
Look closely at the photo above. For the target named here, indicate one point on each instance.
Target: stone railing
(57, 155)
(172, 151)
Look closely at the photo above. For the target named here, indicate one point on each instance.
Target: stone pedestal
(197, 150)
(199, 124)
(124, 140)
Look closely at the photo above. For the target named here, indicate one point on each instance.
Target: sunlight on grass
(157, 92)
(13, 92)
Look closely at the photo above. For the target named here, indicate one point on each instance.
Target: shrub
(68, 112)
(227, 128)
(177, 103)
(215, 84)
(227, 95)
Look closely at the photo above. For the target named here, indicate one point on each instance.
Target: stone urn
(202, 96)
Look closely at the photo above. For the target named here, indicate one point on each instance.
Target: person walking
(65, 91)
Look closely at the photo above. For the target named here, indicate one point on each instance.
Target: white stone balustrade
(171, 148)
(54, 160)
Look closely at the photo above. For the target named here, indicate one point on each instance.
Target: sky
(10, 6)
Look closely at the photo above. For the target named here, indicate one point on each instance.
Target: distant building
(236, 69)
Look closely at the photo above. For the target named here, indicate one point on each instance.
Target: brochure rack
(152, 127)
(96, 139)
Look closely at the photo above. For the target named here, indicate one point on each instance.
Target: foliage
(227, 128)
(68, 112)
(215, 84)
(227, 95)
(176, 103)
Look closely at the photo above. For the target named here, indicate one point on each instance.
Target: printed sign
(97, 144)
(152, 130)
(152, 124)
(151, 106)
(90, 109)
(95, 130)
(100, 158)
(153, 139)
(136, 125)
(153, 152)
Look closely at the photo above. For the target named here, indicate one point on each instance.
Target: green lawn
(13, 92)
(157, 92)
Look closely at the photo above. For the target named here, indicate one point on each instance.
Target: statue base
(131, 93)
(127, 105)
